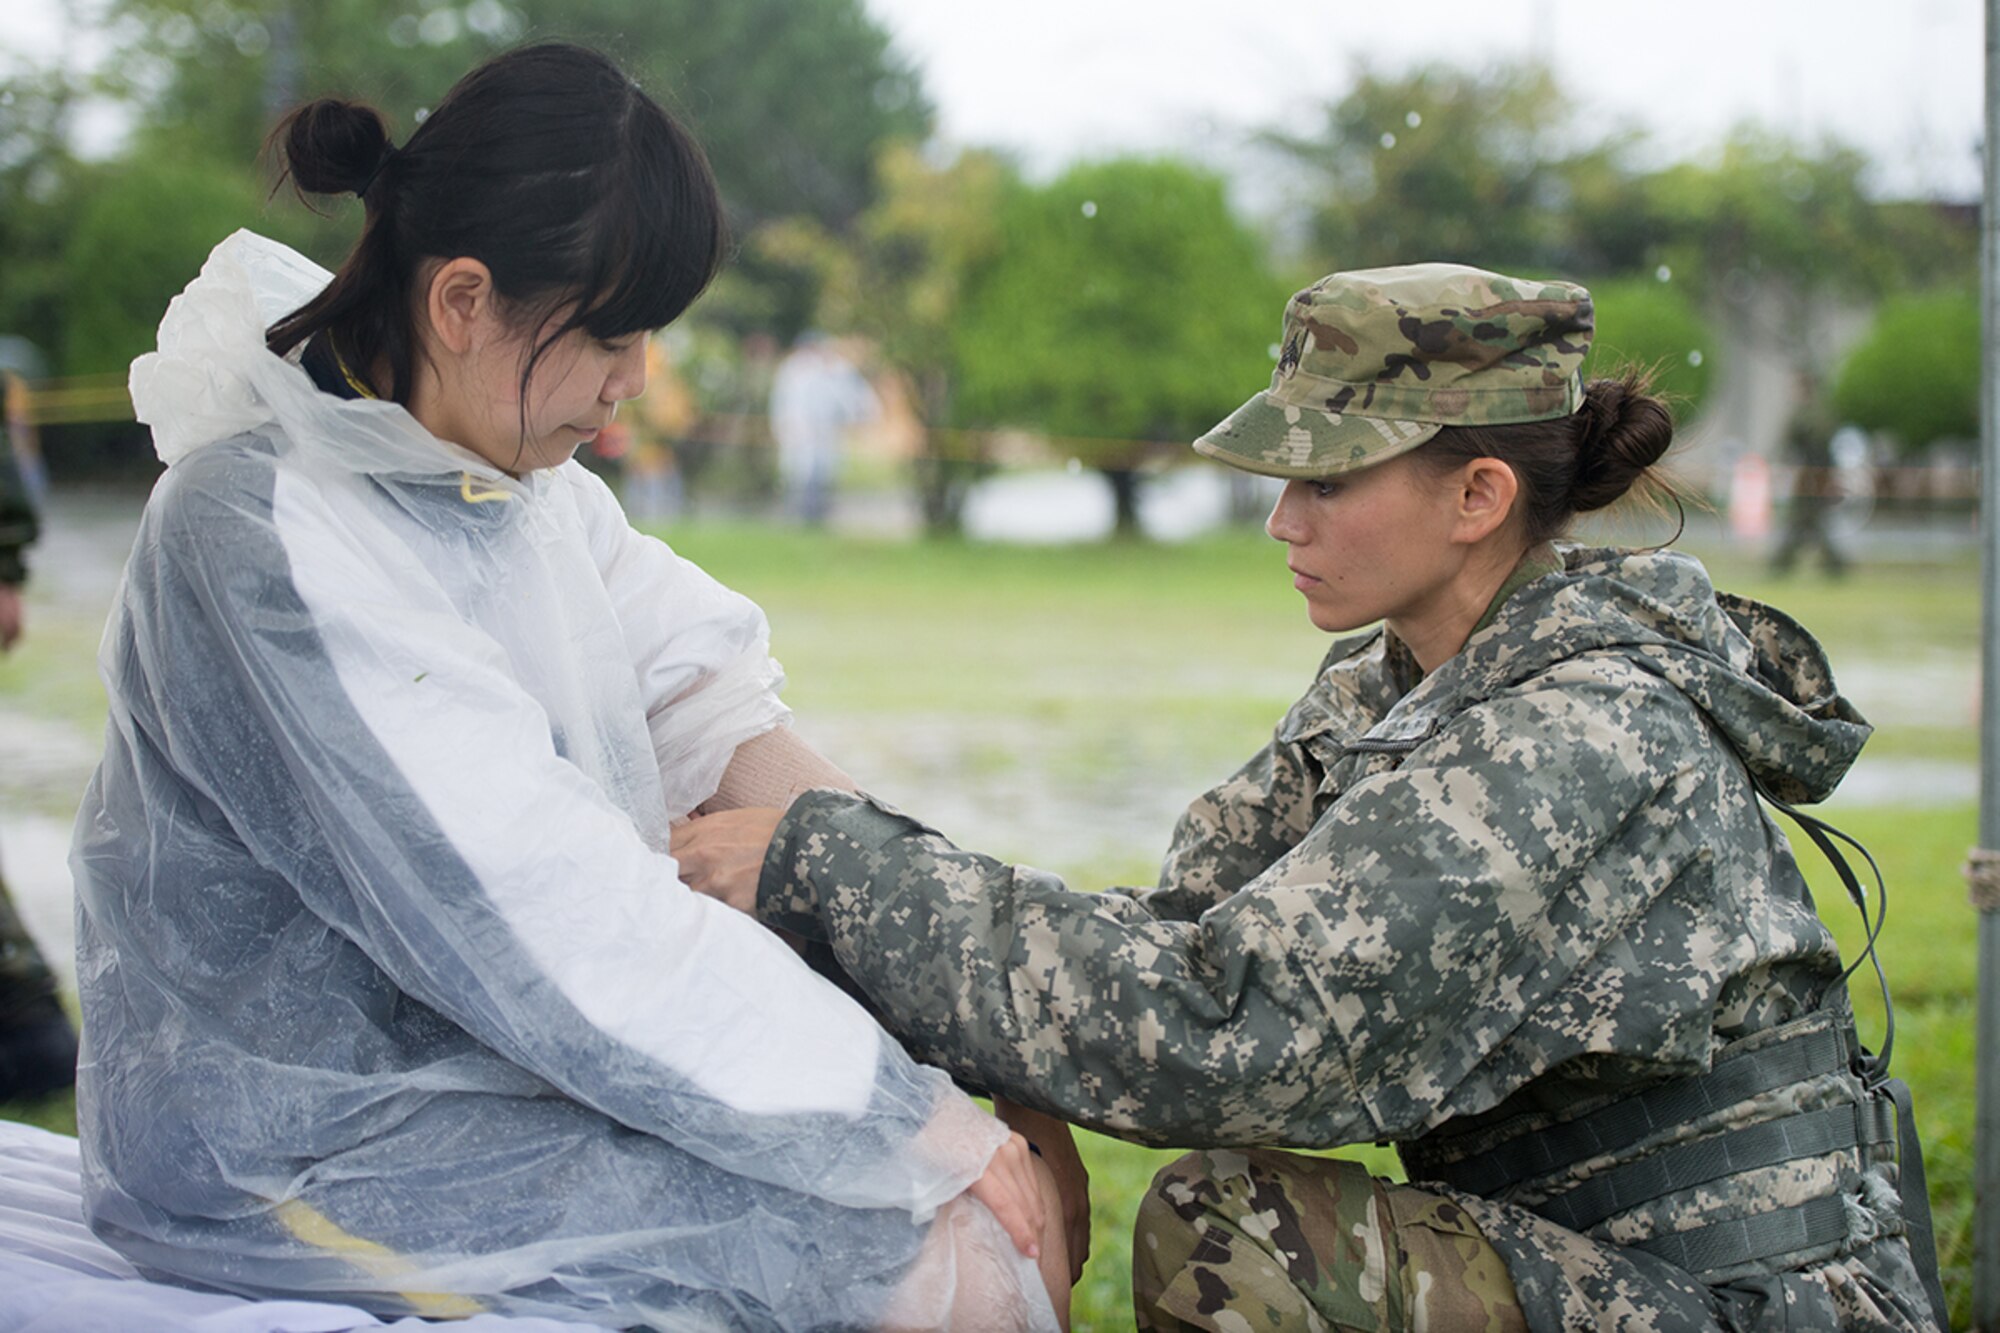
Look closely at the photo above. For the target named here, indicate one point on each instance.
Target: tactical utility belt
(1873, 1125)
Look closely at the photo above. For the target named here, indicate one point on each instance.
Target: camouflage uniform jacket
(1534, 877)
(18, 528)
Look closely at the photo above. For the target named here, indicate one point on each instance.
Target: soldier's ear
(1487, 490)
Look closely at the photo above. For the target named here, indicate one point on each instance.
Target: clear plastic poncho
(391, 992)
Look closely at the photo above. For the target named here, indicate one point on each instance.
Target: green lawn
(1059, 703)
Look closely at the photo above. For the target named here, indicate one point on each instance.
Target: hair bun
(1624, 430)
(333, 147)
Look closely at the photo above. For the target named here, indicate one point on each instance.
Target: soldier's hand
(10, 616)
(722, 854)
(1057, 1145)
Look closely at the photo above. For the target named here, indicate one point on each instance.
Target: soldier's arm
(1355, 989)
(1234, 831)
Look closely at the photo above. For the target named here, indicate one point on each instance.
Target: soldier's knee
(1171, 1213)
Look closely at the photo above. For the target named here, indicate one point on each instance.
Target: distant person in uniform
(817, 396)
(1816, 489)
(1501, 890)
(37, 1046)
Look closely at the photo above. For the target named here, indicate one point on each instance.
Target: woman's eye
(615, 346)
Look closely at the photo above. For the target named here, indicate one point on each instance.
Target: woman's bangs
(659, 244)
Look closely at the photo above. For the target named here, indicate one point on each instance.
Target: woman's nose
(1283, 524)
(628, 374)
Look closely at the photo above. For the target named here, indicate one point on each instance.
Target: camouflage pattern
(1373, 363)
(1229, 1240)
(1518, 886)
(18, 527)
(27, 987)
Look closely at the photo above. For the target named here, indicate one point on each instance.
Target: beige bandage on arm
(771, 769)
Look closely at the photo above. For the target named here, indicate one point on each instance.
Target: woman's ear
(459, 301)
(1486, 493)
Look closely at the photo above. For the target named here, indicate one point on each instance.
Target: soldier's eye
(1326, 489)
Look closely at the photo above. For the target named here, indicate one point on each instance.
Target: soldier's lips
(1302, 580)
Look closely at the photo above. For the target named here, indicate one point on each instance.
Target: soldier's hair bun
(1622, 432)
(332, 146)
(1606, 450)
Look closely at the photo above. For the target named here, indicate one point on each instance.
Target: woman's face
(572, 395)
(1371, 545)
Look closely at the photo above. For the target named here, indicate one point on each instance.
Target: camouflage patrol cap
(1375, 362)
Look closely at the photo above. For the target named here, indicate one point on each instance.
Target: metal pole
(1986, 1139)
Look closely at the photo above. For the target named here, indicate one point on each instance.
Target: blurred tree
(1768, 233)
(1446, 164)
(1128, 308)
(791, 98)
(1651, 324)
(1915, 375)
(127, 256)
(37, 178)
(1495, 169)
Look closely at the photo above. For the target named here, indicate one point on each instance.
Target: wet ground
(1015, 788)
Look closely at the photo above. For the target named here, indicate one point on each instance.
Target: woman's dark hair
(1594, 457)
(546, 164)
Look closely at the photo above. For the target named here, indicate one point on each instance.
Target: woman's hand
(1059, 1154)
(1011, 1189)
(722, 854)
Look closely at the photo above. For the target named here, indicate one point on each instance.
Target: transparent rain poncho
(391, 992)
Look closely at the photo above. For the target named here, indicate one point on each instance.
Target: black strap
(1743, 1240)
(1916, 1195)
(1686, 1165)
(1735, 1076)
(1876, 1068)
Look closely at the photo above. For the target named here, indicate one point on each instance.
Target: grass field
(1058, 705)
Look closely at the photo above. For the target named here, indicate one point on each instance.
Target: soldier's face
(1371, 545)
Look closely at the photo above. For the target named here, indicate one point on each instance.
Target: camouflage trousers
(1233, 1241)
(27, 988)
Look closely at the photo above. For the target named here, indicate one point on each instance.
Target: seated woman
(1499, 890)
(391, 993)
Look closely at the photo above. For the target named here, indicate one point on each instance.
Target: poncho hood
(1760, 679)
(212, 378)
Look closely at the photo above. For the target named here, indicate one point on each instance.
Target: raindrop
(1074, 466)
(1694, 357)
(1388, 139)
(439, 27)
(1090, 208)
(1663, 273)
(1272, 351)
(1413, 120)
(403, 30)
(7, 97)
(490, 18)
(423, 114)
(252, 39)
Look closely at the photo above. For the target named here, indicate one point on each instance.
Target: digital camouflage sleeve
(1463, 914)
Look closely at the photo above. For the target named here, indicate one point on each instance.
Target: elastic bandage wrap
(771, 770)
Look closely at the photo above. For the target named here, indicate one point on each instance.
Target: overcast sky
(1059, 79)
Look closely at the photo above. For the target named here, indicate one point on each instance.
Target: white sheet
(55, 1277)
